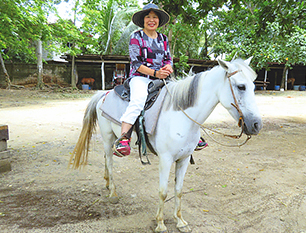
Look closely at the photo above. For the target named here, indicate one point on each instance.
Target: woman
(150, 59)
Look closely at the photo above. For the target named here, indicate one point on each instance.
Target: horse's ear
(248, 61)
(190, 73)
(234, 57)
(224, 64)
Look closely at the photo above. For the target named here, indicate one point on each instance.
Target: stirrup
(201, 147)
(114, 147)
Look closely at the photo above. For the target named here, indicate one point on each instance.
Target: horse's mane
(183, 93)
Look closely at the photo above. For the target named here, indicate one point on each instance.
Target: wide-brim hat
(138, 17)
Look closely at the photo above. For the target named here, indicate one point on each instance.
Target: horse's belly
(178, 148)
(177, 136)
(184, 151)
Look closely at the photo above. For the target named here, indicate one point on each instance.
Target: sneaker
(123, 147)
(201, 144)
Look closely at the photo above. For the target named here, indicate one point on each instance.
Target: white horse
(176, 136)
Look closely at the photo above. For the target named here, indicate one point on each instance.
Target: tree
(244, 28)
(267, 30)
(7, 77)
(22, 23)
(271, 31)
(74, 76)
(109, 21)
(187, 19)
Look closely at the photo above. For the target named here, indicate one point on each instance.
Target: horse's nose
(257, 127)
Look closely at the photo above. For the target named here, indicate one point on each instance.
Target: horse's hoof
(161, 230)
(114, 200)
(157, 231)
(184, 229)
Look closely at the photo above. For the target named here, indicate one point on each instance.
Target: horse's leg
(108, 139)
(180, 170)
(164, 171)
(108, 174)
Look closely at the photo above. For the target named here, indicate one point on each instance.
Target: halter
(240, 122)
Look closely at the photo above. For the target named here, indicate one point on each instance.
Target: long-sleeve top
(153, 53)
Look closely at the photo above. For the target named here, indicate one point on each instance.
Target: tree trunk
(39, 65)
(206, 46)
(73, 66)
(284, 78)
(73, 73)
(170, 41)
(7, 77)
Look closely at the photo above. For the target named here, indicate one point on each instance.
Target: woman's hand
(168, 67)
(164, 72)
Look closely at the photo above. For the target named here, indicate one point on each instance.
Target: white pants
(139, 93)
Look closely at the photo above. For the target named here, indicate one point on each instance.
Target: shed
(91, 65)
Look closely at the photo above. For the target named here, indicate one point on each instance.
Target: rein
(240, 122)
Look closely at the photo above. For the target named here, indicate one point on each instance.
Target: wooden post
(5, 164)
(40, 83)
(73, 79)
(286, 81)
(103, 75)
(4, 135)
(266, 76)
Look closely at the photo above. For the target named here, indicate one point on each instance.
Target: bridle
(240, 122)
(235, 104)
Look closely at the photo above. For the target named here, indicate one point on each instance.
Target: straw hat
(138, 17)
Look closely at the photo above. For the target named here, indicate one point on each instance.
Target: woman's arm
(161, 74)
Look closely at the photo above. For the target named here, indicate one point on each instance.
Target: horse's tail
(80, 152)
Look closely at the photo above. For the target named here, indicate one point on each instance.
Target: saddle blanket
(113, 108)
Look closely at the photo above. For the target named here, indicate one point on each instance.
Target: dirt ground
(259, 187)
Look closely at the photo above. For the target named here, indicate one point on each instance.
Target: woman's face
(151, 21)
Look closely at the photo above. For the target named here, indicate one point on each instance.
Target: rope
(240, 122)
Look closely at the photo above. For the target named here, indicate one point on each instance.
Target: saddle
(154, 88)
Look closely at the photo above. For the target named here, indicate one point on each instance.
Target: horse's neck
(208, 96)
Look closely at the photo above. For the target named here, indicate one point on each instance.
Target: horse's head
(240, 93)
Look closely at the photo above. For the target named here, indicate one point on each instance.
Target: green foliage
(268, 34)
(271, 31)
(186, 23)
(181, 66)
(108, 21)
(190, 11)
(67, 35)
(22, 23)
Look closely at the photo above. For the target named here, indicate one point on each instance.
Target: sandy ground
(259, 187)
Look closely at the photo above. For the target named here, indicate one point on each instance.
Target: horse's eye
(241, 87)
